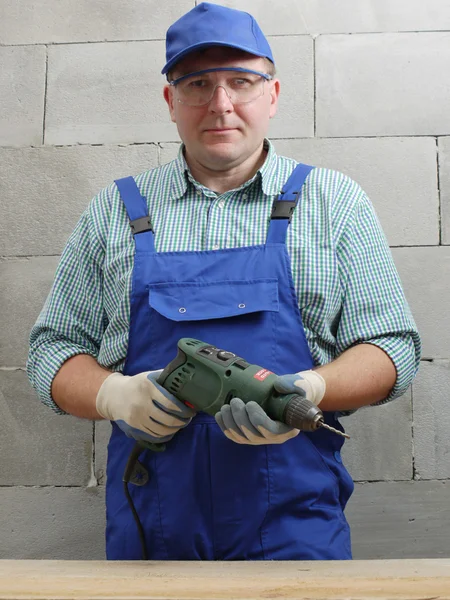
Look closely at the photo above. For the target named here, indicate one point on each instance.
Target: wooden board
(331, 580)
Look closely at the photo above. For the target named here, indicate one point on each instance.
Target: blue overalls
(208, 498)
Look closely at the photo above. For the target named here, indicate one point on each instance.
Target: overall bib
(208, 498)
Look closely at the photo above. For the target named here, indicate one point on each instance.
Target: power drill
(205, 378)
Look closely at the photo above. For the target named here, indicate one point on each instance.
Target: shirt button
(221, 204)
(244, 196)
(199, 193)
(216, 247)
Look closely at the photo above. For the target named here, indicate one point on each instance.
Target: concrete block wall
(365, 89)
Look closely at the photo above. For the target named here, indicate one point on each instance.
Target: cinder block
(432, 420)
(22, 88)
(102, 435)
(352, 16)
(64, 21)
(400, 520)
(281, 18)
(398, 174)
(107, 93)
(444, 183)
(380, 445)
(38, 446)
(346, 16)
(380, 85)
(126, 105)
(54, 523)
(425, 274)
(25, 285)
(168, 152)
(39, 211)
(294, 61)
(50, 22)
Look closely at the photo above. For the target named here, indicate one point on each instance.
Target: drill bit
(323, 424)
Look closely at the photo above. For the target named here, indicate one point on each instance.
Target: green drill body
(205, 378)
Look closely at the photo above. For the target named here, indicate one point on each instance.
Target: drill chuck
(302, 414)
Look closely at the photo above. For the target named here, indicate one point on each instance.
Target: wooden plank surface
(330, 580)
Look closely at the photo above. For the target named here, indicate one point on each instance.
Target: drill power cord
(132, 459)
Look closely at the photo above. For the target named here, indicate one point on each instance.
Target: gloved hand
(141, 407)
(306, 383)
(249, 424)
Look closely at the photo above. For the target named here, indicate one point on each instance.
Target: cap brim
(173, 61)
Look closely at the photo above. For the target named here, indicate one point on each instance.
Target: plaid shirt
(347, 286)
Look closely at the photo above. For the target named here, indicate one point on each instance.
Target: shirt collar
(179, 176)
(268, 171)
(267, 174)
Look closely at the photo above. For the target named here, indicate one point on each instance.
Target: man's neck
(229, 179)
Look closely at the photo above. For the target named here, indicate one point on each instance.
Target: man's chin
(222, 152)
(223, 163)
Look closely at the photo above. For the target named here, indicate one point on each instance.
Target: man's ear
(168, 97)
(274, 95)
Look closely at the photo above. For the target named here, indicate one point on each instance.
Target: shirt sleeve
(72, 320)
(375, 309)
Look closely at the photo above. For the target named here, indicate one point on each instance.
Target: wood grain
(321, 580)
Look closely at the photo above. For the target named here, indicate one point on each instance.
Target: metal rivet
(182, 310)
(241, 306)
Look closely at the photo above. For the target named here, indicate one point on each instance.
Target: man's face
(222, 135)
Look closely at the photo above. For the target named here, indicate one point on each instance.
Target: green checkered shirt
(346, 283)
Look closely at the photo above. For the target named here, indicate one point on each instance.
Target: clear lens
(198, 89)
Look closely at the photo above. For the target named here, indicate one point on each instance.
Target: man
(206, 247)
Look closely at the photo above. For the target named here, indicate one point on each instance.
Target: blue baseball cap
(214, 25)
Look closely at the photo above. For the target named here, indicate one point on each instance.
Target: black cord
(132, 459)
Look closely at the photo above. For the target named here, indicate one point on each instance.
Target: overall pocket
(305, 519)
(239, 316)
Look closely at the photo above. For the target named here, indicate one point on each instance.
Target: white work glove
(309, 384)
(142, 408)
(249, 424)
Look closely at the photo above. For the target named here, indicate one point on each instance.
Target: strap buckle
(284, 209)
(140, 225)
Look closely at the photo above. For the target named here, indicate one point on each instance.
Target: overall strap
(284, 205)
(136, 207)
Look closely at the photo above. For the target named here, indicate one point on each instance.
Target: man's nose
(220, 101)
